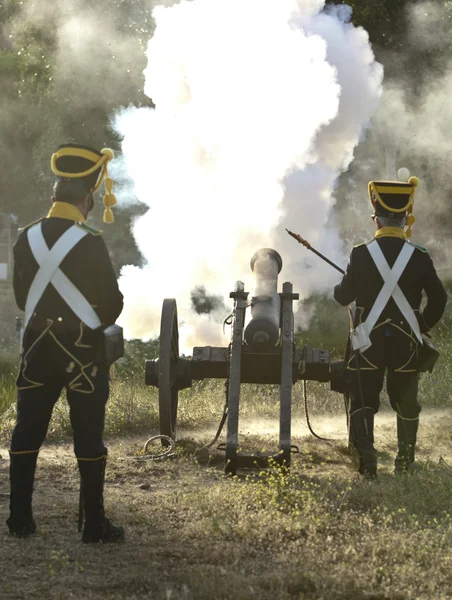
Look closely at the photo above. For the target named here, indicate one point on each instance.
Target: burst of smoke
(204, 303)
(259, 106)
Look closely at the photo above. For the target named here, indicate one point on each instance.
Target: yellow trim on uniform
(78, 342)
(402, 368)
(79, 152)
(71, 385)
(380, 324)
(368, 361)
(362, 368)
(373, 189)
(89, 229)
(31, 224)
(24, 452)
(405, 418)
(82, 373)
(24, 363)
(412, 337)
(365, 407)
(104, 456)
(415, 341)
(74, 384)
(98, 161)
(387, 189)
(396, 232)
(373, 367)
(64, 210)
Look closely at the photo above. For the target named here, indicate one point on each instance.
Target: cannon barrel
(263, 328)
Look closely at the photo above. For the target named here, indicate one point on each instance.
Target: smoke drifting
(259, 106)
(81, 61)
(411, 130)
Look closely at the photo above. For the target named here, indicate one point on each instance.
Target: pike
(307, 245)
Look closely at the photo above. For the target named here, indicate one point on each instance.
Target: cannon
(261, 351)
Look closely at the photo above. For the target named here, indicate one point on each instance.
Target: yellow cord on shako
(98, 162)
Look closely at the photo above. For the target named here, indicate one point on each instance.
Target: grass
(315, 532)
(435, 388)
(133, 407)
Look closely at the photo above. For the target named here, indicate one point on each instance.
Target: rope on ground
(167, 453)
(170, 450)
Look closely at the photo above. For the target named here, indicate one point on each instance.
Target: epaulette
(89, 229)
(421, 248)
(31, 224)
(364, 243)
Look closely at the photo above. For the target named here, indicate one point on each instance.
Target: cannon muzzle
(263, 329)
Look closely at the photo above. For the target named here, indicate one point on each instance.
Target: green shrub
(133, 407)
(136, 352)
(434, 388)
(8, 363)
(328, 326)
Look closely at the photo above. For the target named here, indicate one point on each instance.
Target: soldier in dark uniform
(396, 334)
(65, 283)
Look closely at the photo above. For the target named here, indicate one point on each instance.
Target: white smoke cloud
(411, 130)
(93, 58)
(259, 106)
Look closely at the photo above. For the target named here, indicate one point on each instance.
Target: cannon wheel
(168, 358)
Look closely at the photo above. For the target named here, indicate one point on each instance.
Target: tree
(61, 81)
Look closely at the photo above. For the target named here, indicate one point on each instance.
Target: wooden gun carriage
(262, 352)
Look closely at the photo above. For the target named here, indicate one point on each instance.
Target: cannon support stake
(285, 390)
(238, 321)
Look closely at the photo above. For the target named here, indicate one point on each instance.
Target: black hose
(223, 419)
(307, 416)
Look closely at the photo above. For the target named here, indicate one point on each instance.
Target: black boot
(21, 475)
(97, 527)
(406, 439)
(362, 434)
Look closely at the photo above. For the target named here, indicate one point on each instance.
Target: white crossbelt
(361, 333)
(49, 272)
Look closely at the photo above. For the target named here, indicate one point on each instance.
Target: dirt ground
(181, 543)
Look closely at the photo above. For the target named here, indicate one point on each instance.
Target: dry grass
(192, 533)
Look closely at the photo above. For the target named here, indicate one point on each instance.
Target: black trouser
(394, 352)
(87, 415)
(48, 366)
(34, 409)
(402, 390)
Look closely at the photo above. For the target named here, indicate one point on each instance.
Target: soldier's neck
(397, 232)
(64, 210)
